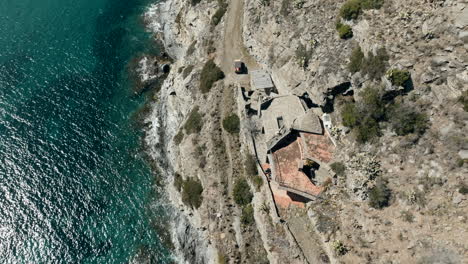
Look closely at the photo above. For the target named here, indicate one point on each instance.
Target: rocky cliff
(400, 195)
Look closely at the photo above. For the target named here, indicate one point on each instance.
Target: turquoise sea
(74, 186)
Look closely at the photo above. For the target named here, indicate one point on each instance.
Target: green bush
(364, 118)
(460, 162)
(367, 130)
(372, 103)
(406, 120)
(351, 9)
(463, 99)
(344, 31)
(210, 74)
(187, 71)
(247, 217)
(191, 48)
(339, 248)
(356, 60)
(398, 77)
(285, 6)
(242, 194)
(303, 55)
(194, 122)
(257, 181)
(179, 137)
(407, 216)
(178, 181)
(463, 189)
(379, 196)
(250, 165)
(350, 115)
(232, 124)
(195, 2)
(375, 65)
(192, 193)
(338, 167)
(218, 15)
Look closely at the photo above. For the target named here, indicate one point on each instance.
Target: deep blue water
(74, 187)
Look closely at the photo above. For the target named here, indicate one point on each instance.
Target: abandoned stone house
(298, 145)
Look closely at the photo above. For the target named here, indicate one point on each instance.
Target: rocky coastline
(163, 121)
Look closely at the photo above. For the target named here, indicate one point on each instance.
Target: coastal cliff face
(423, 218)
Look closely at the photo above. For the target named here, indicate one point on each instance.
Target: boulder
(463, 154)
(428, 77)
(463, 36)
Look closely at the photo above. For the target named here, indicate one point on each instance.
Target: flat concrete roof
(309, 122)
(282, 110)
(260, 80)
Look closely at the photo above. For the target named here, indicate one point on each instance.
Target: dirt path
(233, 46)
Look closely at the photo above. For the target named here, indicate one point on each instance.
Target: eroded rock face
(418, 36)
(363, 169)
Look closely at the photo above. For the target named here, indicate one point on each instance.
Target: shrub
(192, 193)
(365, 118)
(463, 99)
(218, 15)
(179, 137)
(222, 258)
(379, 195)
(191, 48)
(351, 9)
(232, 124)
(338, 167)
(285, 6)
(303, 55)
(406, 120)
(210, 74)
(372, 103)
(367, 130)
(195, 2)
(350, 115)
(463, 189)
(407, 216)
(344, 31)
(194, 122)
(398, 77)
(339, 248)
(187, 71)
(241, 192)
(356, 59)
(247, 216)
(375, 65)
(257, 181)
(178, 181)
(250, 165)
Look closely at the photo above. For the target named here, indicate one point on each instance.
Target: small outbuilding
(261, 80)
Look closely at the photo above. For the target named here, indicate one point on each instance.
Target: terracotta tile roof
(287, 173)
(283, 200)
(317, 147)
